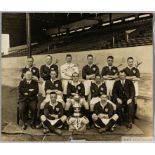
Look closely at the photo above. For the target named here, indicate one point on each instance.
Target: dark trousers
(125, 111)
(24, 107)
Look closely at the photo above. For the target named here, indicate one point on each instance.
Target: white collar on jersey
(110, 66)
(75, 84)
(53, 105)
(29, 67)
(49, 65)
(53, 80)
(91, 65)
(130, 67)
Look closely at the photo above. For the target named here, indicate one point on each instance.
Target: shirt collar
(53, 105)
(53, 80)
(75, 84)
(91, 65)
(49, 65)
(109, 66)
(130, 67)
(28, 81)
(29, 67)
(104, 104)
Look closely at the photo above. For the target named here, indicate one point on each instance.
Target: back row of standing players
(93, 85)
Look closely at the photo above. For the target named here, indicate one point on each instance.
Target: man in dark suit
(30, 67)
(133, 74)
(123, 95)
(28, 90)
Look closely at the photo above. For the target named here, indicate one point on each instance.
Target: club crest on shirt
(94, 68)
(56, 85)
(114, 71)
(33, 71)
(57, 109)
(106, 109)
(134, 71)
(79, 87)
(102, 89)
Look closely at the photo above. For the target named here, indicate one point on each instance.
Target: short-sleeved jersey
(97, 90)
(89, 70)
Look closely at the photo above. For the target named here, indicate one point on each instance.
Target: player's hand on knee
(119, 101)
(94, 117)
(129, 101)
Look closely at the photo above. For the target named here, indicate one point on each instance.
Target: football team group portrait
(77, 76)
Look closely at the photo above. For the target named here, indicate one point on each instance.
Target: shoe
(136, 117)
(58, 132)
(112, 129)
(102, 130)
(45, 131)
(129, 126)
(24, 126)
(39, 126)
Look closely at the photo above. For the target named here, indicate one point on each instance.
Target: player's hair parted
(89, 55)
(130, 58)
(110, 57)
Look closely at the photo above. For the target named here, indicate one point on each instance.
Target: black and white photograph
(76, 76)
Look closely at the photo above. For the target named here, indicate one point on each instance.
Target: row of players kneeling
(77, 116)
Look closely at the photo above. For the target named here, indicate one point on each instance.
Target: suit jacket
(32, 89)
(123, 92)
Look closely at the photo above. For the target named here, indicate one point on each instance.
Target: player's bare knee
(42, 105)
(43, 118)
(115, 117)
(94, 117)
(63, 118)
(85, 121)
